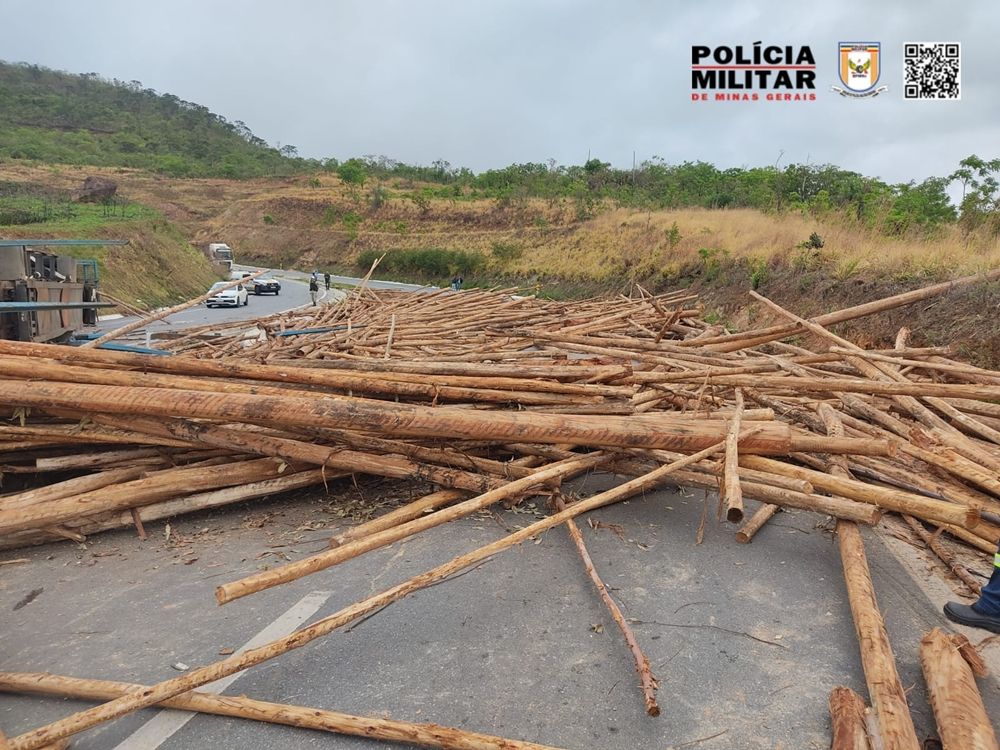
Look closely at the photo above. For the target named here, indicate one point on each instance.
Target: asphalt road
(353, 281)
(746, 640)
(294, 293)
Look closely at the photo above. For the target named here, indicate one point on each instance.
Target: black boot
(964, 614)
(985, 613)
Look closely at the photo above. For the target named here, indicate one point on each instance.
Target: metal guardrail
(11, 307)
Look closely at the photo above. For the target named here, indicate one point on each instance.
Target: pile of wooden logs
(493, 398)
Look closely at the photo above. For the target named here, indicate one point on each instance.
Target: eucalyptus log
(647, 681)
(654, 431)
(890, 499)
(83, 720)
(884, 686)
(732, 494)
(962, 721)
(944, 555)
(154, 487)
(241, 707)
(847, 717)
(762, 515)
(328, 558)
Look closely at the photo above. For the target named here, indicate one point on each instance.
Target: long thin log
(654, 431)
(884, 686)
(241, 707)
(857, 385)
(373, 368)
(36, 367)
(69, 487)
(83, 720)
(847, 717)
(647, 681)
(154, 487)
(731, 492)
(79, 528)
(884, 497)
(328, 558)
(408, 512)
(970, 538)
(337, 458)
(935, 546)
(762, 336)
(962, 721)
(838, 507)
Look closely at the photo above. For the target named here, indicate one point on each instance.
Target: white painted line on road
(166, 723)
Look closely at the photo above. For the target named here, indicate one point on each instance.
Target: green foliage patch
(435, 263)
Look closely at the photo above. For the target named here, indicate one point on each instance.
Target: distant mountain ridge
(58, 117)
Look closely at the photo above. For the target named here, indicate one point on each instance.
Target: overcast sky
(485, 84)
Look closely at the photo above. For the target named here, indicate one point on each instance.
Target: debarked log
(241, 707)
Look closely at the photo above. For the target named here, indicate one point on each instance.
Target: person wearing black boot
(984, 613)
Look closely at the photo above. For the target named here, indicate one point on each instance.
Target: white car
(234, 296)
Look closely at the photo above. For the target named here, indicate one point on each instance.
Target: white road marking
(166, 723)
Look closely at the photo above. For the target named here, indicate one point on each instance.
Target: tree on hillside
(980, 190)
(353, 172)
(60, 117)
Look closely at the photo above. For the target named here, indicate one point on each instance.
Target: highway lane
(294, 293)
(353, 281)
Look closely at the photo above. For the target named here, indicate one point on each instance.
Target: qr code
(932, 70)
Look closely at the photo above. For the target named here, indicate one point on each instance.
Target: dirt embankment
(562, 246)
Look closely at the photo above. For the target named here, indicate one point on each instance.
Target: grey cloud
(484, 84)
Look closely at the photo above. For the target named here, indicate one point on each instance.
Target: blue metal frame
(12, 307)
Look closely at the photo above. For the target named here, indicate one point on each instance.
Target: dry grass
(614, 244)
(639, 243)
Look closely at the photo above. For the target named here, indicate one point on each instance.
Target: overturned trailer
(45, 296)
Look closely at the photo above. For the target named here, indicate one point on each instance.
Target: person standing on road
(326, 278)
(313, 289)
(984, 613)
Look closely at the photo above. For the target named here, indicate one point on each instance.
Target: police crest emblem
(860, 67)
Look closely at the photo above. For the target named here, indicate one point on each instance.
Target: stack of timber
(493, 398)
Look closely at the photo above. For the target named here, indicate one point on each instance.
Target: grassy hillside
(56, 117)
(157, 267)
(319, 221)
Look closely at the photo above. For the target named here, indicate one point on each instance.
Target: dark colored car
(265, 286)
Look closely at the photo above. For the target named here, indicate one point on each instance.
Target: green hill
(57, 117)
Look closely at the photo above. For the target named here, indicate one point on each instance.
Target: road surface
(294, 293)
(746, 640)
